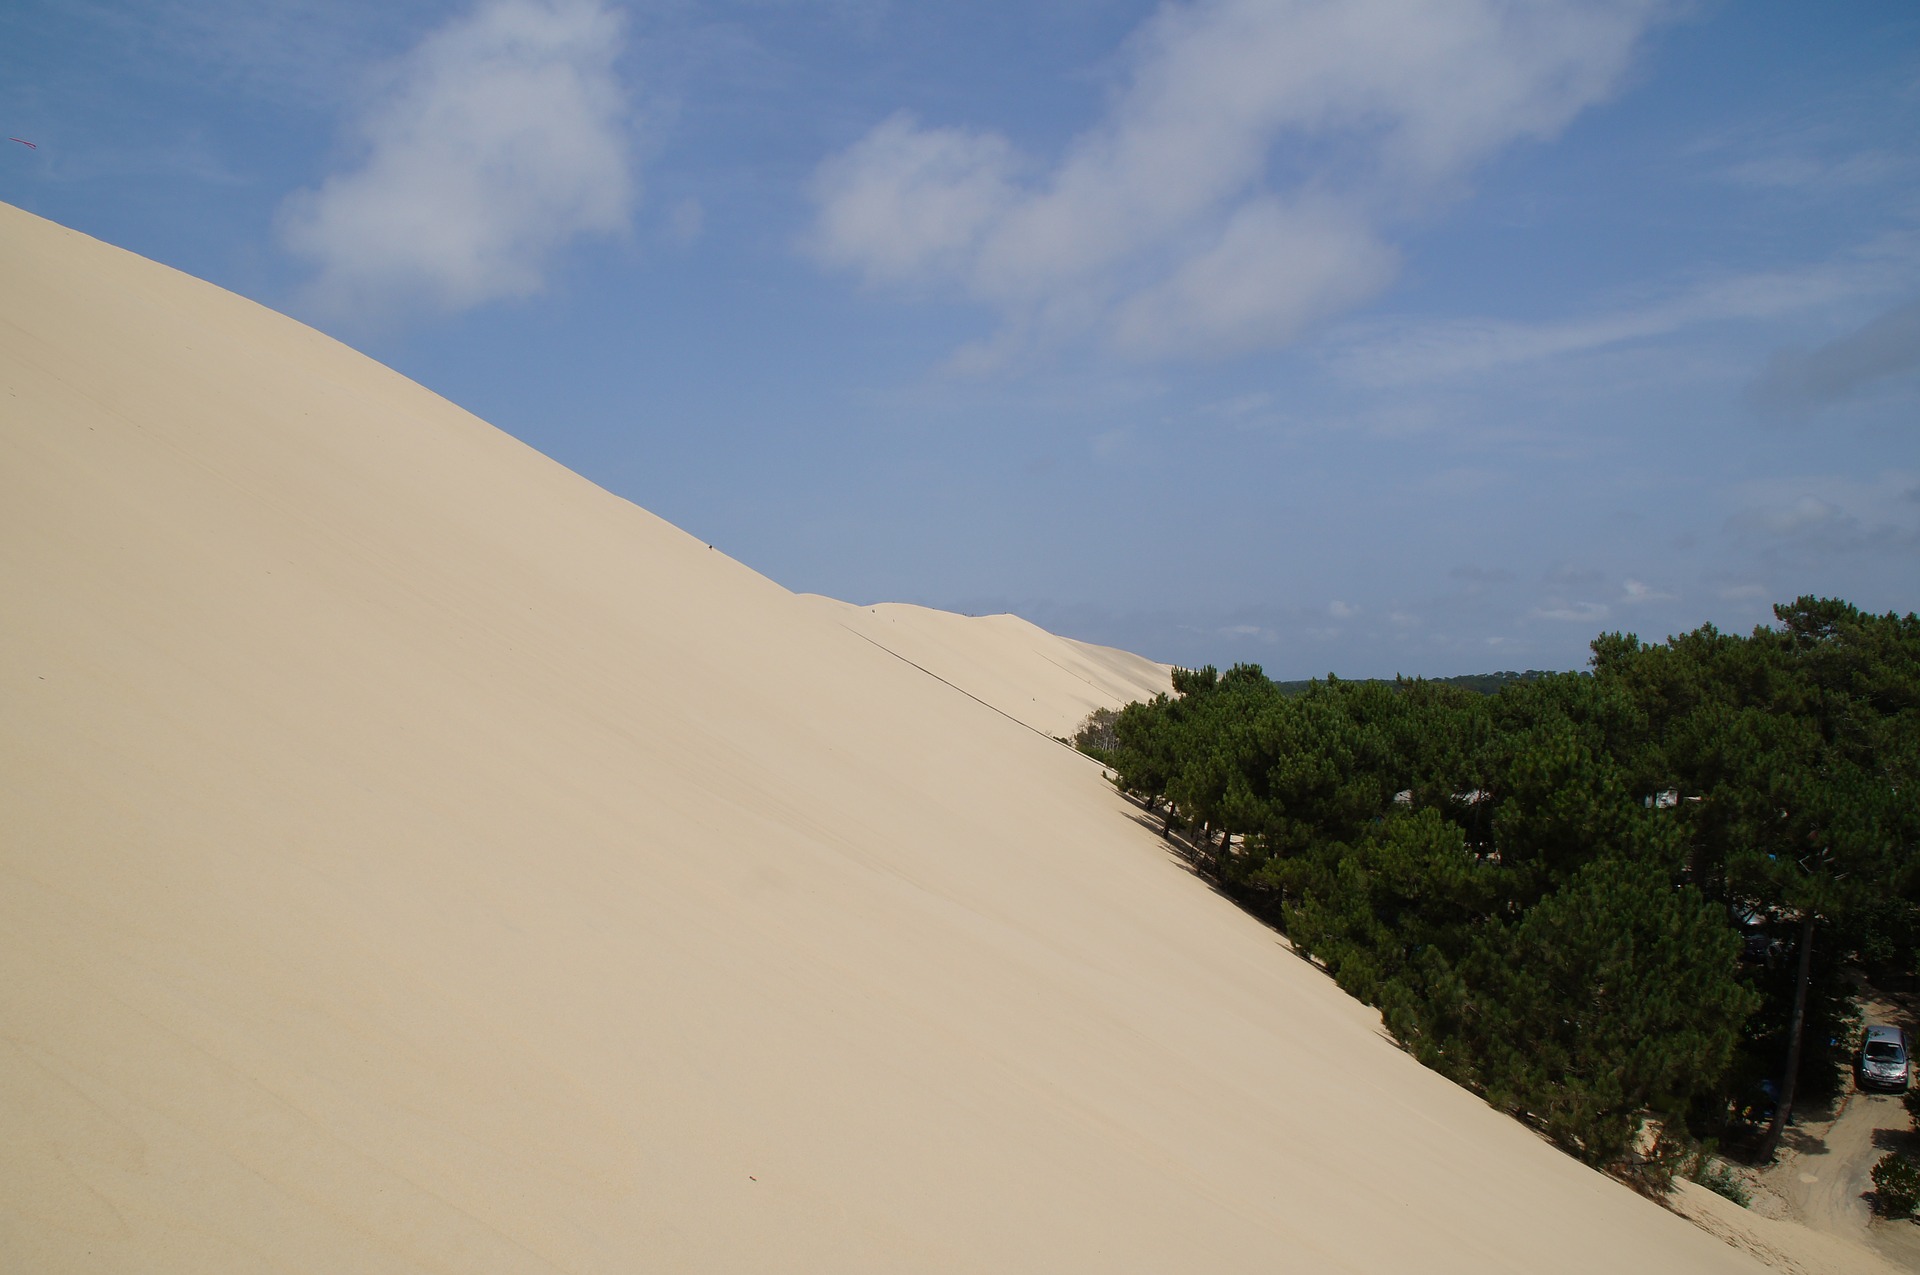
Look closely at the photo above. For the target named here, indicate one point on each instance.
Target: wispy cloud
(1800, 515)
(1799, 382)
(1401, 353)
(1824, 149)
(1639, 593)
(502, 137)
(1804, 170)
(1828, 514)
(1163, 229)
(686, 221)
(1573, 612)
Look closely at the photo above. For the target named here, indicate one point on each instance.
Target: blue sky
(1369, 337)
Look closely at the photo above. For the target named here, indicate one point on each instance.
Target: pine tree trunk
(1783, 1109)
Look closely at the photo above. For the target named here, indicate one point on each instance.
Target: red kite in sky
(24, 142)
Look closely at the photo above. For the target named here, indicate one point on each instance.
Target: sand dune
(414, 858)
(1044, 681)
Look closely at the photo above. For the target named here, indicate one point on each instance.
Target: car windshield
(1882, 1051)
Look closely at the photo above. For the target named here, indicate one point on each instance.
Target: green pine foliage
(1896, 1185)
(1598, 899)
(1721, 1180)
(1615, 998)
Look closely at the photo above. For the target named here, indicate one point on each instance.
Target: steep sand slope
(413, 857)
(1035, 677)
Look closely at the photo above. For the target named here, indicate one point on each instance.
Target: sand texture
(1035, 677)
(414, 858)
(1787, 1247)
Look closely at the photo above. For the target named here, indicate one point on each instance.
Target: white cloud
(907, 202)
(1275, 270)
(1165, 229)
(1342, 610)
(502, 138)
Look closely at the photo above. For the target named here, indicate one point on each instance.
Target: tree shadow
(1819, 1110)
(1803, 1141)
(1195, 860)
(1178, 846)
(1200, 864)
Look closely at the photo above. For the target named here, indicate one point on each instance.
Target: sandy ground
(1784, 1244)
(1826, 1161)
(413, 858)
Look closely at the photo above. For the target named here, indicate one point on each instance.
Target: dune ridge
(1047, 682)
(415, 858)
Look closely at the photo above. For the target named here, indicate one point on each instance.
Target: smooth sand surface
(414, 858)
(1035, 677)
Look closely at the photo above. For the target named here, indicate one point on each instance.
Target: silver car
(1883, 1059)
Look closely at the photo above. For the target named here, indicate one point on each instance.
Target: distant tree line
(1484, 683)
(1598, 899)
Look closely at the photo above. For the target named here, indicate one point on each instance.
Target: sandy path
(1827, 1175)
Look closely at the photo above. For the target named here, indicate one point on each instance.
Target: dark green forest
(1612, 902)
(1485, 683)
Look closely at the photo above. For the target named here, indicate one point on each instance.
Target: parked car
(1884, 1059)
